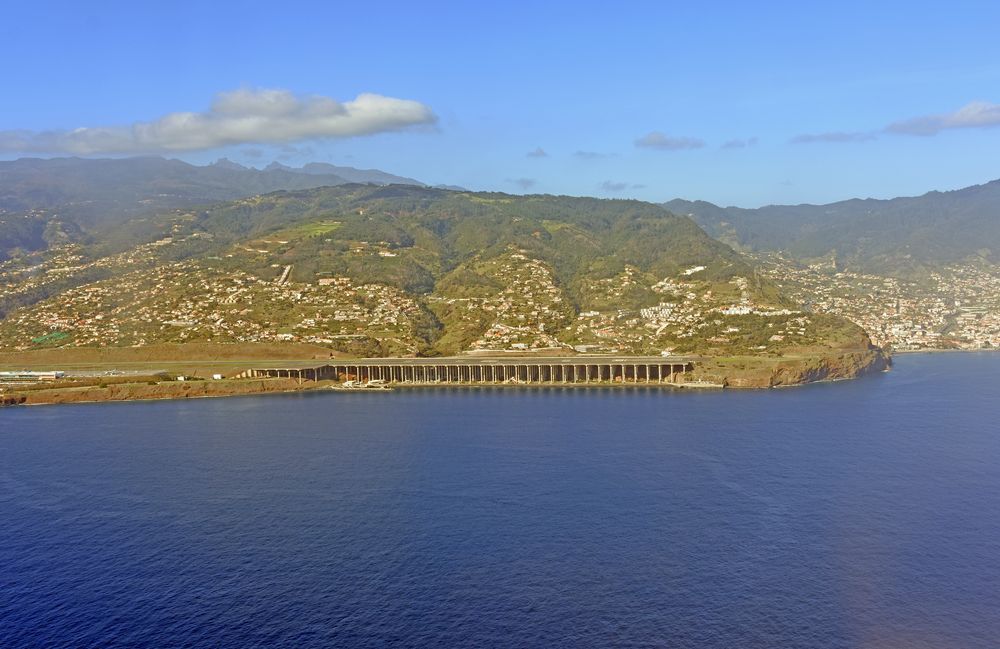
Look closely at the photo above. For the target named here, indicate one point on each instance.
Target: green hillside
(408, 270)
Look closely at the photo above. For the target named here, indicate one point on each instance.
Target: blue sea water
(856, 514)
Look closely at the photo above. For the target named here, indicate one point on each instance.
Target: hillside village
(145, 300)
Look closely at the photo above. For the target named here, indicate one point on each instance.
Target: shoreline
(715, 373)
(311, 388)
(985, 350)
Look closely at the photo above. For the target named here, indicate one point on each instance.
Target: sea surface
(855, 514)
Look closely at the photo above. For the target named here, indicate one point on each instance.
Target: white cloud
(538, 153)
(657, 140)
(246, 116)
(977, 114)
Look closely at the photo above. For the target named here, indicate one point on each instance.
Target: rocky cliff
(758, 372)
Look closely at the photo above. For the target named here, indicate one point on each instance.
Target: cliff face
(846, 365)
(758, 372)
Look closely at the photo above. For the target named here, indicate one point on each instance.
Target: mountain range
(149, 250)
(48, 201)
(45, 202)
(896, 236)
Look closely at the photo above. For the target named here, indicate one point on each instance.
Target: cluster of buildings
(189, 301)
(139, 297)
(693, 314)
(524, 314)
(956, 307)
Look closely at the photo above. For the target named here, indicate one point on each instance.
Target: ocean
(853, 514)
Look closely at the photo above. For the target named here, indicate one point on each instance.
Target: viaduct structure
(481, 370)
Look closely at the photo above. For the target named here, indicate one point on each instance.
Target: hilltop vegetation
(408, 270)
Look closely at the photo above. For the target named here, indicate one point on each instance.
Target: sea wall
(163, 390)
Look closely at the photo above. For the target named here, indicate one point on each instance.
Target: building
(27, 376)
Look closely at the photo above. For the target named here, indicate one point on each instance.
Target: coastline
(741, 373)
(982, 350)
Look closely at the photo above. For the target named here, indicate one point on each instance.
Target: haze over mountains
(45, 201)
(49, 201)
(349, 174)
(895, 236)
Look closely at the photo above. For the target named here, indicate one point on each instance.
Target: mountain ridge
(897, 235)
(44, 201)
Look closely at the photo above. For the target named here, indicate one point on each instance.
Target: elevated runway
(492, 370)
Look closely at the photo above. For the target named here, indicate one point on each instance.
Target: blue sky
(624, 99)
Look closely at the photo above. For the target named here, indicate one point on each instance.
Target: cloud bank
(613, 187)
(740, 143)
(523, 183)
(837, 137)
(657, 140)
(977, 114)
(246, 116)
